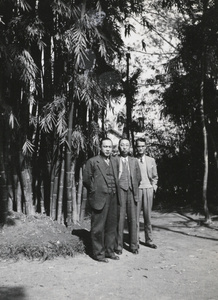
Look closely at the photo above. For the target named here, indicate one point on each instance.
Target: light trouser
(145, 203)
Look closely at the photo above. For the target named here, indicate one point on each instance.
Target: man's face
(124, 147)
(140, 148)
(106, 148)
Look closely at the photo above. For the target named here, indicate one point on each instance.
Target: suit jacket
(135, 174)
(152, 171)
(95, 180)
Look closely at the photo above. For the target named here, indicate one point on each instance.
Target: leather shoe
(114, 257)
(153, 246)
(119, 252)
(135, 251)
(103, 259)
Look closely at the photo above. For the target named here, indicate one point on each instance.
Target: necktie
(107, 161)
(141, 160)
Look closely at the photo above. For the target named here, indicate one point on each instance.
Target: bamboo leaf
(12, 120)
(28, 147)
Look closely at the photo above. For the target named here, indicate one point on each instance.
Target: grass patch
(37, 237)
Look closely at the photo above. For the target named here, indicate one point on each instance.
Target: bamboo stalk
(60, 193)
(51, 194)
(54, 198)
(69, 197)
(10, 194)
(79, 192)
(19, 197)
(42, 206)
(24, 184)
(74, 211)
(3, 191)
(69, 184)
(84, 202)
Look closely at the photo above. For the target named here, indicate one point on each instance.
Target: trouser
(145, 203)
(129, 207)
(103, 228)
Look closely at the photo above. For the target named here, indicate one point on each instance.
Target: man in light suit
(101, 180)
(147, 188)
(129, 179)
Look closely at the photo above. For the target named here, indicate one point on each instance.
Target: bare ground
(183, 267)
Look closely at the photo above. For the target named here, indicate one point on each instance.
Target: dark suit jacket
(135, 174)
(95, 180)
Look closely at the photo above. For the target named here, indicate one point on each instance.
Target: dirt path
(183, 267)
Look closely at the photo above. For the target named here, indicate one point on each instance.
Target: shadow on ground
(11, 293)
(184, 233)
(85, 236)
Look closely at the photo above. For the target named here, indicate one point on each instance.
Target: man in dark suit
(147, 188)
(129, 179)
(101, 180)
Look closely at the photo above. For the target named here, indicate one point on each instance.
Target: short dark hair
(122, 140)
(105, 139)
(140, 140)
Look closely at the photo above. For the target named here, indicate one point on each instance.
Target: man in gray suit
(101, 180)
(147, 188)
(129, 179)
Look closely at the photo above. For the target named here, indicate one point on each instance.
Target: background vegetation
(62, 67)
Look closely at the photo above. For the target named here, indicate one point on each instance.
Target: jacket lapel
(101, 165)
(114, 166)
(148, 166)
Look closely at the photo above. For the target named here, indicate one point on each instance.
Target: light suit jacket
(135, 175)
(95, 180)
(152, 171)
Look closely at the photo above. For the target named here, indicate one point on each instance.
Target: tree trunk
(60, 194)
(128, 100)
(84, 202)
(205, 178)
(54, 191)
(27, 191)
(3, 188)
(68, 166)
(42, 206)
(19, 197)
(74, 212)
(79, 192)
(204, 129)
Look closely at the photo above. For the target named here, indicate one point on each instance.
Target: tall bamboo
(68, 166)
(75, 217)
(42, 206)
(54, 193)
(19, 197)
(84, 203)
(27, 191)
(79, 192)
(3, 188)
(60, 193)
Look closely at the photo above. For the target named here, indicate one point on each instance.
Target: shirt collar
(141, 158)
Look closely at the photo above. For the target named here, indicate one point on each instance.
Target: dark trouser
(145, 203)
(103, 228)
(129, 206)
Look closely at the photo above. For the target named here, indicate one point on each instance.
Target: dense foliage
(59, 72)
(191, 98)
(53, 90)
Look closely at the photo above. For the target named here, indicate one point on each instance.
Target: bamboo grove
(57, 76)
(53, 55)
